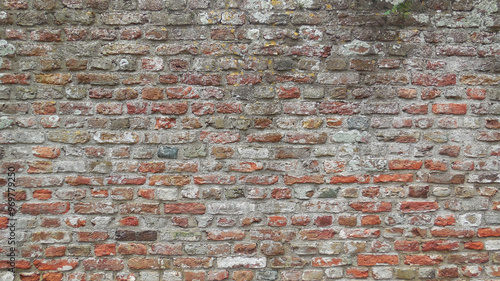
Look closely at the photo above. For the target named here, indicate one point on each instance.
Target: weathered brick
(177, 108)
(423, 259)
(370, 260)
(105, 104)
(45, 208)
(103, 264)
(53, 79)
(434, 80)
(97, 79)
(450, 108)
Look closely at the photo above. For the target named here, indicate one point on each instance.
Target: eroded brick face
(211, 140)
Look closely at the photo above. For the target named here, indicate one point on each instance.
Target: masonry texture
(172, 140)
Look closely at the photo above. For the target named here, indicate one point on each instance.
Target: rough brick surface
(176, 140)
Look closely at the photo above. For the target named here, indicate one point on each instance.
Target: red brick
(407, 246)
(440, 245)
(372, 207)
(202, 79)
(145, 263)
(194, 276)
(103, 264)
(75, 34)
(53, 79)
(192, 262)
(152, 167)
(393, 178)
(185, 208)
(243, 79)
(316, 179)
(476, 94)
(11, 78)
(132, 249)
(357, 272)
(181, 93)
(61, 264)
(175, 108)
(463, 166)
(266, 137)
(468, 258)
(288, 92)
(449, 108)
(44, 108)
(178, 65)
(326, 262)
(92, 236)
(371, 260)
(180, 221)
(474, 245)
(488, 232)
(276, 221)
(340, 108)
(404, 164)
(433, 79)
(97, 79)
(52, 276)
(317, 234)
(245, 167)
(229, 107)
(168, 180)
(259, 180)
(450, 272)
(410, 206)
(130, 34)
(217, 275)
(137, 108)
(215, 179)
(407, 93)
(445, 232)
(436, 165)
(305, 138)
(105, 250)
(203, 108)
(347, 220)
(42, 194)
(75, 222)
(168, 79)
(445, 220)
(322, 221)
(226, 235)
(36, 209)
(152, 93)
(152, 64)
(489, 136)
(300, 220)
(429, 94)
(479, 80)
(370, 220)
(25, 276)
(361, 233)
(350, 179)
(55, 251)
(165, 123)
(423, 260)
(129, 221)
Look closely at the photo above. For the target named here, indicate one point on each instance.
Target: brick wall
(169, 140)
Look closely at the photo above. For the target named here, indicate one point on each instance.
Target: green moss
(403, 8)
